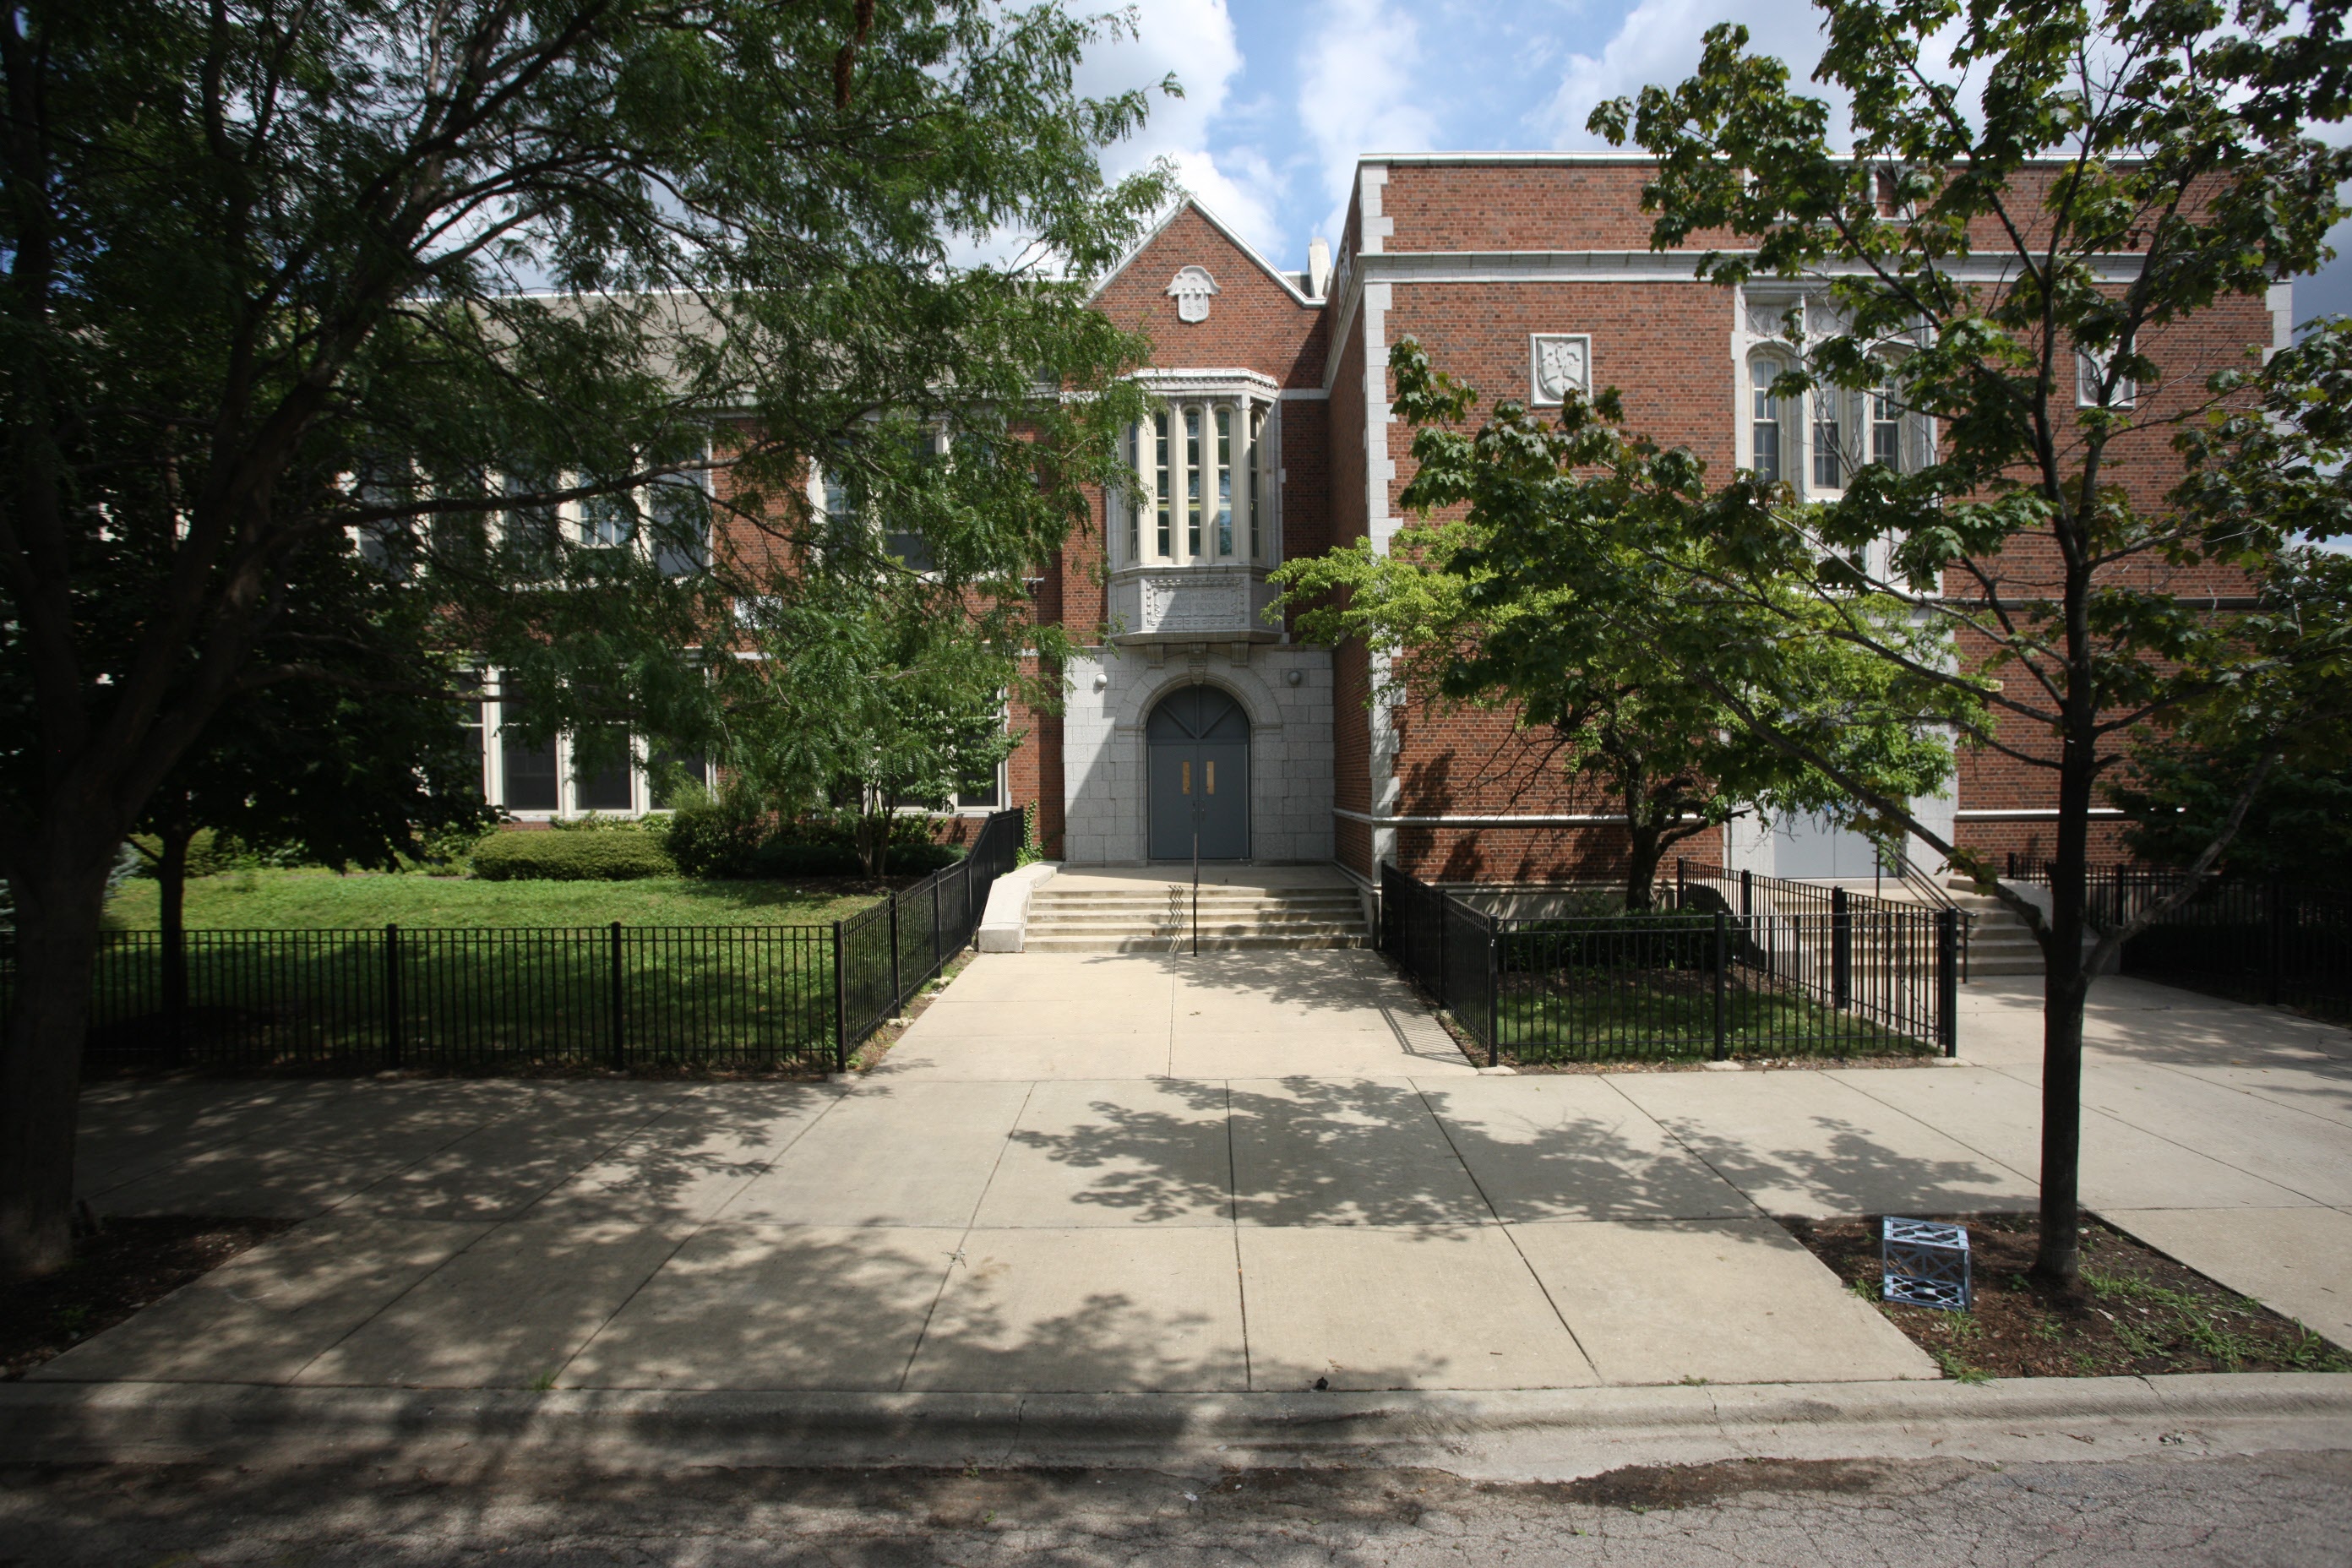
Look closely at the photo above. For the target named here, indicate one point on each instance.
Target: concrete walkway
(1248, 1171)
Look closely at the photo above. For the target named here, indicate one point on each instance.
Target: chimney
(1318, 264)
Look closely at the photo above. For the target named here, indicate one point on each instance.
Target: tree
(351, 768)
(1489, 610)
(2012, 248)
(496, 290)
(2186, 777)
(877, 703)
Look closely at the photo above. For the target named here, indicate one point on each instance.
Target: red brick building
(1523, 274)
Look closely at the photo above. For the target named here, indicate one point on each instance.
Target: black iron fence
(2252, 939)
(890, 951)
(1841, 974)
(621, 996)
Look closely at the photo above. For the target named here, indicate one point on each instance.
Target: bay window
(1205, 472)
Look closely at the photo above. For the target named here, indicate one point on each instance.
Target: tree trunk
(170, 902)
(60, 898)
(1647, 849)
(2058, 1260)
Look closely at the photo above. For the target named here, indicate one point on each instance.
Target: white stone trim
(1244, 246)
(2029, 814)
(1497, 819)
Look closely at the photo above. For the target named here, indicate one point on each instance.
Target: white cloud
(1357, 83)
(1194, 39)
(1659, 43)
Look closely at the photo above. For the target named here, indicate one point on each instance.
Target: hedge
(556, 857)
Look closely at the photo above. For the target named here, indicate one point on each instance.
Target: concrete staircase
(1157, 918)
(1999, 943)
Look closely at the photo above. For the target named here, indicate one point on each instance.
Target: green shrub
(715, 836)
(518, 856)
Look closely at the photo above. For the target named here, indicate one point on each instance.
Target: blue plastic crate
(1925, 1264)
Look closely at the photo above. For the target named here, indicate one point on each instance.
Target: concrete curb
(1551, 1434)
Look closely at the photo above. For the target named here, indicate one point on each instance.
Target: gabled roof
(1284, 278)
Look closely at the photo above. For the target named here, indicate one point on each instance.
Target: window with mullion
(1192, 483)
(1164, 493)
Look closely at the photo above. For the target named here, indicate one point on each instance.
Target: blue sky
(1280, 98)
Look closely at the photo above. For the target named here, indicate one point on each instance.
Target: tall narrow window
(1192, 483)
(1224, 482)
(1163, 491)
(1829, 454)
(602, 770)
(1256, 461)
(1135, 509)
(526, 767)
(1767, 435)
(1886, 428)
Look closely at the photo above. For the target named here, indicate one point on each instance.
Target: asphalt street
(2273, 1509)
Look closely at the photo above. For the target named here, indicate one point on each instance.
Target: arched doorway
(1198, 740)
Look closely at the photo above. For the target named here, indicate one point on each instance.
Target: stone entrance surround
(1286, 691)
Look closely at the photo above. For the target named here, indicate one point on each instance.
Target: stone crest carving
(1174, 605)
(1562, 362)
(1192, 289)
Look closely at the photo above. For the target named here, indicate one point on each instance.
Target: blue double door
(1198, 743)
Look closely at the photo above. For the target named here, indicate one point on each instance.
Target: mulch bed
(128, 1265)
(2140, 1312)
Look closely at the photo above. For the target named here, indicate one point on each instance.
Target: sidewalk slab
(1358, 1053)
(2297, 1261)
(899, 1153)
(1364, 1308)
(688, 1164)
(2320, 1088)
(1801, 1142)
(1313, 1152)
(1999, 1116)
(1724, 1301)
(507, 1312)
(774, 1307)
(952, 1020)
(1141, 1309)
(497, 1171)
(1025, 1058)
(2306, 1154)
(1573, 1148)
(267, 1313)
(1083, 1155)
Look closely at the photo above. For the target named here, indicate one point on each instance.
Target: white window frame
(2090, 376)
(1246, 459)
(567, 808)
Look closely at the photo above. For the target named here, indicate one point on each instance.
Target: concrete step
(1135, 906)
(1184, 933)
(1208, 896)
(1162, 943)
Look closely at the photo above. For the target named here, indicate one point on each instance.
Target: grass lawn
(1584, 1015)
(312, 900)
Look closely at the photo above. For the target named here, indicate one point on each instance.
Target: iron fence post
(1444, 996)
(1682, 884)
(1840, 951)
(1722, 964)
(620, 1041)
(840, 1005)
(2274, 941)
(1947, 981)
(175, 993)
(939, 958)
(1493, 991)
(391, 1040)
(897, 989)
(1747, 894)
